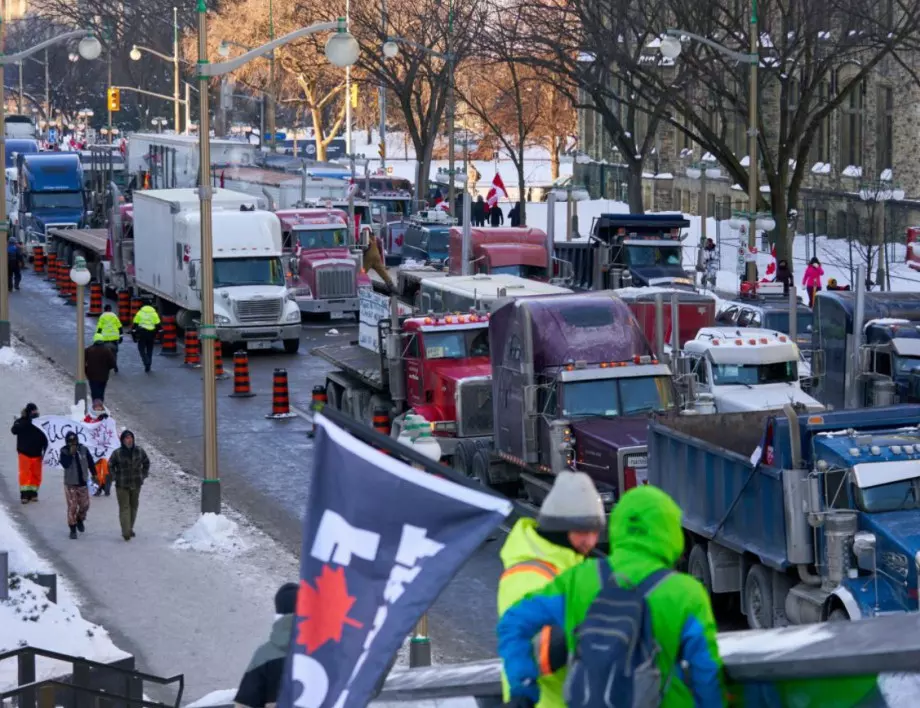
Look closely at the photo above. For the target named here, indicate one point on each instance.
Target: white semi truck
(252, 304)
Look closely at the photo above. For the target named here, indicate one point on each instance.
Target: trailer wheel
(463, 457)
(758, 598)
(479, 467)
(698, 566)
(291, 346)
(332, 396)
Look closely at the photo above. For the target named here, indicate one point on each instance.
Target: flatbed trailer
(91, 243)
(366, 366)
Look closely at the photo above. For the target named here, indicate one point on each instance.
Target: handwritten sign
(373, 308)
(100, 438)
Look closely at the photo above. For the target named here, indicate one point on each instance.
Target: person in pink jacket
(812, 279)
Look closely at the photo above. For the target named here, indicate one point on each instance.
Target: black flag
(381, 540)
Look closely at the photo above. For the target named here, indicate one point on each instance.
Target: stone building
(870, 140)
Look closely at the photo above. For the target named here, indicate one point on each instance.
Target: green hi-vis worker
(108, 328)
(146, 324)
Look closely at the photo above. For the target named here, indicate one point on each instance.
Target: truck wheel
(698, 566)
(479, 467)
(838, 615)
(463, 457)
(291, 346)
(332, 396)
(758, 598)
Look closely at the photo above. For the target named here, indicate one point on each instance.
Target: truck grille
(335, 282)
(474, 407)
(259, 310)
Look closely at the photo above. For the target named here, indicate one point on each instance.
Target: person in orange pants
(31, 444)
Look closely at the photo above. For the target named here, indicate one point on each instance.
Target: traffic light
(382, 150)
(354, 95)
(114, 96)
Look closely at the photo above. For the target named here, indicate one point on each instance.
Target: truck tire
(463, 457)
(838, 615)
(479, 467)
(332, 396)
(758, 598)
(291, 346)
(698, 566)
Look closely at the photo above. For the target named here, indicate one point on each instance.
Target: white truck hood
(737, 399)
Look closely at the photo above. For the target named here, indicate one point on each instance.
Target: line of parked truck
(597, 355)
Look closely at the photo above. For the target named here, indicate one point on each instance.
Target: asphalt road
(265, 465)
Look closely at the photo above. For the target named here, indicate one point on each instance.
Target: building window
(884, 155)
(821, 144)
(685, 201)
(726, 208)
(842, 224)
(820, 222)
(852, 114)
(711, 204)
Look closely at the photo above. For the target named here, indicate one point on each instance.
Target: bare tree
(418, 77)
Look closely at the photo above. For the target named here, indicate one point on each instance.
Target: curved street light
(135, 53)
(342, 50)
(80, 276)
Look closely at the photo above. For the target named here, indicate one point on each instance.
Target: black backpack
(614, 662)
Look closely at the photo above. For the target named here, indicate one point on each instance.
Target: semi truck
(800, 517)
(252, 306)
(573, 381)
(517, 251)
(869, 345)
(694, 310)
(324, 266)
(744, 369)
(50, 194)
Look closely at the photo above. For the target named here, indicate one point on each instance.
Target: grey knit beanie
(573, 504)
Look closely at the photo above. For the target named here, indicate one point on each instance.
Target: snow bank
(774, 641)
(213, 533)
(28, 618)
(11, 359)
(222, 697)
(900, 690)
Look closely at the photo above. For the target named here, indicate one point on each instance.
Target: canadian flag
(442, 205)
(496, 191)
(771, 267)
(352, 187)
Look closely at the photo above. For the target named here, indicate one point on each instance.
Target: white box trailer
(144, 150)
(251, 303)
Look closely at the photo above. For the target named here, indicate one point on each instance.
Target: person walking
(128, 467)
(496, 215)
(146, 324)
(79, 469)
(812, 279)
(536, 551)
(15, 263)
(514, 216)
(100, 360)
(635, 585)
(260, 684)
(109, 328)
(710, 263)
(784, 276)
(31, 445)
(478, 215)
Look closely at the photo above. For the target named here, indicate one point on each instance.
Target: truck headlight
(221, 319)
(293, 316)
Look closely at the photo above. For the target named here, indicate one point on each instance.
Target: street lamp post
(874, 193)
(670, 48)
(81, 276)
(136, 53)
(702, 171)
(341, 50)
(89, 48)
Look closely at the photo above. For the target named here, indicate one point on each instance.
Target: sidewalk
(198, 607)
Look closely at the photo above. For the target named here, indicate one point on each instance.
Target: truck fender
(848, 601)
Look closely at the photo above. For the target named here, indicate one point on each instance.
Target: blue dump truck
(882, 365)
(801, 518)
(51, 193)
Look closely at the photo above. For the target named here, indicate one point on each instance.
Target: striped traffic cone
(281, 403)
(241, 384)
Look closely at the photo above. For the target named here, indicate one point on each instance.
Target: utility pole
(754, 166)
(382, 104)
(108, 61)
(47, 91)
(176, 124)
(19, 101)
(348, 86)
(271, 81)
(451, 108)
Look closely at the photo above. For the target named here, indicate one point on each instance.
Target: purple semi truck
(573, 382)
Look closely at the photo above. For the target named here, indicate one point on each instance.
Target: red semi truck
(517, 251)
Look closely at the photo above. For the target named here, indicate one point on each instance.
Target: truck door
(415, 376)
(511, 414)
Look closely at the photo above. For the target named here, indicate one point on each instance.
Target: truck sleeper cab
(50, 194)
(805, 518)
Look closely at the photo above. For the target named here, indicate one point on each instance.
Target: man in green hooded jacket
(645, 536)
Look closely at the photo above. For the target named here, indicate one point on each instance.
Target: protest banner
(100, 437)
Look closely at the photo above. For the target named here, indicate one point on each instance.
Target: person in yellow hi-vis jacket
(146, 324)
(108, 327)
(570, 522)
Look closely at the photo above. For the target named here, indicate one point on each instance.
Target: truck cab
(573, 381)
(746, 370)
(51, 193)
(427, 237)
(694, 311)
(324, 272)
(647, 246)
(770, 311)
(518, 251)
(390, 209)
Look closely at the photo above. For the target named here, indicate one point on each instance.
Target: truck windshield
(437, 241)
(896, 496)
(392, 207)
(322, 238)
(247, 271)
(522, 271)
(754, 374)
(612, 397)
(780, 322)
(56, 200)
(461, 344)
(653, 255)
(905, 365)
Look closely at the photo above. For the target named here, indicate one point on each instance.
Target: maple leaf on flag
(324, 610)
